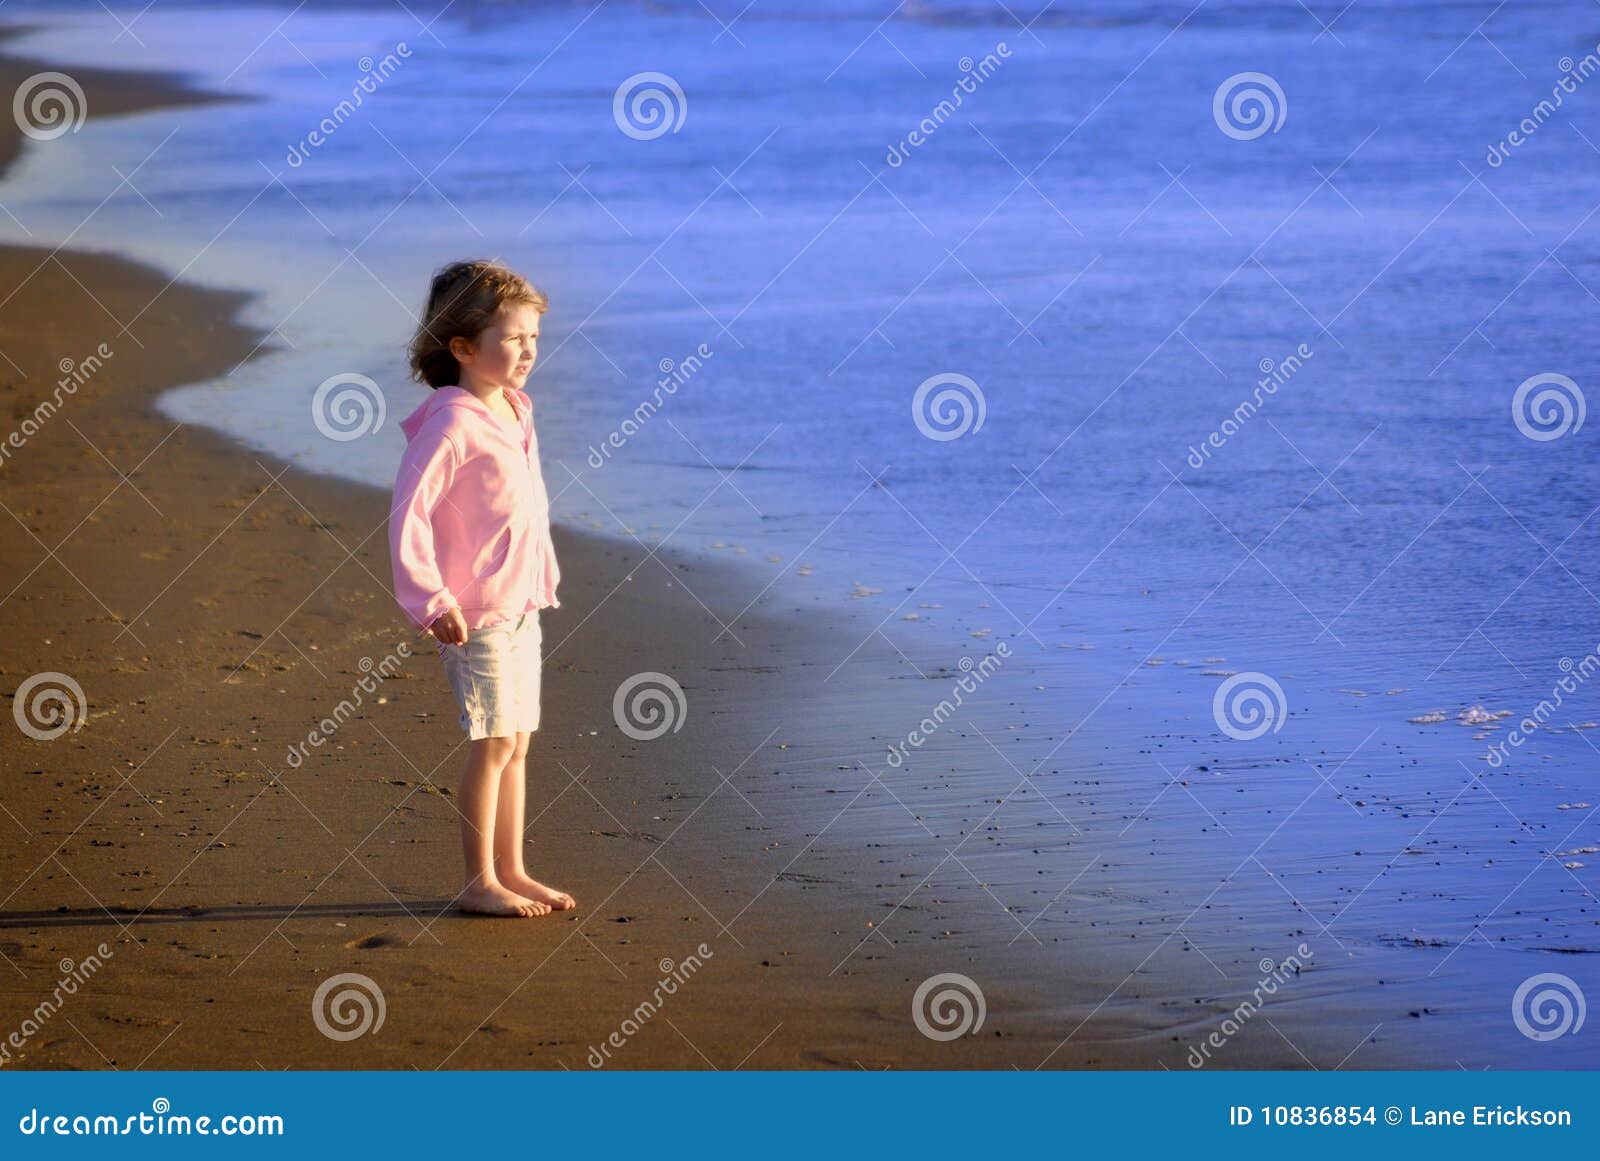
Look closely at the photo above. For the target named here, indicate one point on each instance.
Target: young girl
(469, 535)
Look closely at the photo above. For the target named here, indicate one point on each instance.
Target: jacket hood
(442, 399)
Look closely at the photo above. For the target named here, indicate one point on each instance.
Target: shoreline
(113, 92)
(187, 586)
(260, 801)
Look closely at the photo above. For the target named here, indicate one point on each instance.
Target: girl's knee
(498, 749)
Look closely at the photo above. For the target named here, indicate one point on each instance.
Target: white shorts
(495, 677)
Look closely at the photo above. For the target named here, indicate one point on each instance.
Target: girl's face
(504, 353)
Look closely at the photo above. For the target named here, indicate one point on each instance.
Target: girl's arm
(426, 471)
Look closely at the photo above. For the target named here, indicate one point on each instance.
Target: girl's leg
(480, 789)
(509, 835)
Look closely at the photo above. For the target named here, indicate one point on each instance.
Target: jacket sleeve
(549, 575)
(426, 471)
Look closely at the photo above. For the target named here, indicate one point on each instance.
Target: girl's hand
(450, 628)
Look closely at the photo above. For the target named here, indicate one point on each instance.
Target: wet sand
(190, 886)
(221, 609)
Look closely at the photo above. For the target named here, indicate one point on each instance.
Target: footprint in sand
(368, 943)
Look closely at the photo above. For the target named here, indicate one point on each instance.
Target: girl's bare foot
(493, 899)
(525, 885)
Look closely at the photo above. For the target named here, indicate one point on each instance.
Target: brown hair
(462, 303)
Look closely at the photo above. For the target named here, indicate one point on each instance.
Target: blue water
(1082, 241)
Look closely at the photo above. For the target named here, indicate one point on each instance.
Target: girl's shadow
(128, 916)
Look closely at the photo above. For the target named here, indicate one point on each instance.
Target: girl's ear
(462, 349)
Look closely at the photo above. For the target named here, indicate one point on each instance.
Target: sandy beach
(215, 608)
(237, 847)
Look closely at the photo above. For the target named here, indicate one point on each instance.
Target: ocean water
(1088, 362)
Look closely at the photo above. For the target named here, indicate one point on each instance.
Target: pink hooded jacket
(470, 522)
